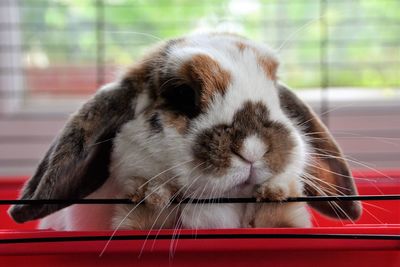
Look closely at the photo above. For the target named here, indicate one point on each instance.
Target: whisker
(354, 161)
(130, 212)
(174, 196)
(138, 33)
(100, 142)
(342, 211)
(177, 231)
(377, 207)
(170, 80)
(348, 177)
(202, 207)
(197, 204)
(182, 212)
(142, 149)
(178, 226)
(333, 186)
(162, 225)
(372, 182)
(329, 171)
(372, 215)
(316, 186)
(171, 168)
(155, 221)
(293, 34)
(169, 214)
(323, 113)
(174, 245)
(333, 205)
(357, 135)
(159, 214)
(314, 219)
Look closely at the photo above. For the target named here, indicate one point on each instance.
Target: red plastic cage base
(372, 241)
(213, 250)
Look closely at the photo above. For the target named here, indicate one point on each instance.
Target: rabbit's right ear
(328, 170)
(77, 162)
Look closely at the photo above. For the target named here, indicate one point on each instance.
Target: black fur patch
(155, 123)
(77, 163)
(182, 99)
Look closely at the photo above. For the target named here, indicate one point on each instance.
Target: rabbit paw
(159, 198)
(138, 195)
(272, 191)
(137, 189)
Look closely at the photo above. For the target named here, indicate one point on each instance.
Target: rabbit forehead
(237, 71)
(226, 50)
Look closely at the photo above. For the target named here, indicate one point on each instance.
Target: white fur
(85, 217)
(109, 87)
(141, 103)
(212, 216)
(253, 149)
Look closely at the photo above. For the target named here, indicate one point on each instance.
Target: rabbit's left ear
(328, 170)
(77, 162)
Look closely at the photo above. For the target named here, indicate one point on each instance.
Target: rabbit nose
(253, 149)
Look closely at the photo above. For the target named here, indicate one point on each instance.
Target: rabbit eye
(266, 123)
(182, 99)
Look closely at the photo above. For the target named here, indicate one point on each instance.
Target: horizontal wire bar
(362, 156)
(32, 26)
(353, 110)
(90, 74)
(30, 139)
(313, 44)
(197, 201)
(198, 236)
(131, 44)
(116, 4)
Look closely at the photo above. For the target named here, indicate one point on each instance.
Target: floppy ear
(332, 175)
(77, 162)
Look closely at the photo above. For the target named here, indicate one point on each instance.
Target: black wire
(198, 201)
(198, 236)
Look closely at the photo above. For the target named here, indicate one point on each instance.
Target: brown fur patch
(328, 183)
(218, 144)
(148, 72)
(269, 65)
(205, 71)
(214, 146)
(149, 65)
(280, 145)
(241, 46)
(179, 122)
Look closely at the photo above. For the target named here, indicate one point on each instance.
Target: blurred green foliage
(334, 43)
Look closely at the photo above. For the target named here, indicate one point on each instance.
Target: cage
(342, 57)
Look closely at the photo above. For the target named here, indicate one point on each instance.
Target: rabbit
(201, 116)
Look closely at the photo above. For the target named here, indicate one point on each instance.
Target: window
(341, 56)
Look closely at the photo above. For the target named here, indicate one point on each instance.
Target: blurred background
(343, 57)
